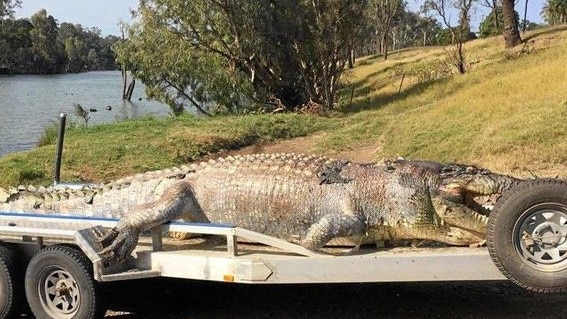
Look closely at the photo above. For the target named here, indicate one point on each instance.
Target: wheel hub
(540, 237)
(548, 235)
(63, 288)
(59, 293)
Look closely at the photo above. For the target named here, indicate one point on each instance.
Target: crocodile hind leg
(178, 200)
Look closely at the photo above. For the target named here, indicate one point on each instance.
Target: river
(29, 103)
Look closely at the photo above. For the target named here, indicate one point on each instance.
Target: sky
(106, 14)
(103, 14)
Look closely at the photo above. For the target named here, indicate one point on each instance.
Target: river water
(29, 103)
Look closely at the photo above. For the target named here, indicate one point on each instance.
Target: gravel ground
(185, 299)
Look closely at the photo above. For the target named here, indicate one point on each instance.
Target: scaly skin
(304, 199)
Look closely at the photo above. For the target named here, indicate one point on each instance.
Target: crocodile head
(473, 181)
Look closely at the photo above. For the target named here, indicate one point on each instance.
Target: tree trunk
(130, 90)
(385, 45)
(511, 33)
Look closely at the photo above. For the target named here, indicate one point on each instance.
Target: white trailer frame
(277, 262)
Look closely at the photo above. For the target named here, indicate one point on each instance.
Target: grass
(506, 113)
(104, 152)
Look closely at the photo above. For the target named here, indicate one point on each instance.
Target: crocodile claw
(118, 243)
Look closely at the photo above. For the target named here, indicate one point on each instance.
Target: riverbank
(29, 103)
(507, 114)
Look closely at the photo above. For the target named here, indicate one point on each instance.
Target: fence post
(57, 176)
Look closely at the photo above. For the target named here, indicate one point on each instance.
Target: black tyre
(527, 235)
(9, 290)
(59, 284)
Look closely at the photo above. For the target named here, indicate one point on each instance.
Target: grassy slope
(506, 114)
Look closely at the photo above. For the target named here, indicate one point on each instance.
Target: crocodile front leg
(332, 226)
(444, 234)
(121, 240)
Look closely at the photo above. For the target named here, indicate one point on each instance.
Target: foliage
(48, 53)
(493, 23)
(40, 45)
(223, 55)
(427, 71)
(7, 7)
(554, 12)
(49, 135)
(384, 14)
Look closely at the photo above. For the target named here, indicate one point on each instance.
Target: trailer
(57, 256)
(53, 261)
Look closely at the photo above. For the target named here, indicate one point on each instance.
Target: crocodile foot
(118, 243)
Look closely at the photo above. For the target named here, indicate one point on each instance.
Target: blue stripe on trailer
(88, 218)
(43, 215)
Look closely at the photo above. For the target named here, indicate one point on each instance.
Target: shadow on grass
(542, 33)
(382, 100)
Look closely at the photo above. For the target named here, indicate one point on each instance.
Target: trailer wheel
(9, 293)
(59, 284)
(527, 235)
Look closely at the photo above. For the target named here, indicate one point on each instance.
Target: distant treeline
(39, 45)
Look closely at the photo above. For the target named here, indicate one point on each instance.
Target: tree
(554, 12)
(385, 12)
(15, 45)
(488, 27)
(495, 16)
(40, 45)
(511, 33)
(75, 48)
(459, 34)
(222, 55)
(49, 54)
(7, 8)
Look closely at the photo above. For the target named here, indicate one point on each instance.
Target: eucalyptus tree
(384, 13)
(225, 55)
(49, 54)
(459, 34)
(15, 46)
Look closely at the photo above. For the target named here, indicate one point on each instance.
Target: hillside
(507, 113)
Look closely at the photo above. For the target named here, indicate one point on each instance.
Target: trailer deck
(229, 260)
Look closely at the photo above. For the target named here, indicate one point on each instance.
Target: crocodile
(305, 199)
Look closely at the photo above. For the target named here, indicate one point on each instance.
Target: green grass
(507, 113)
(105, 152)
